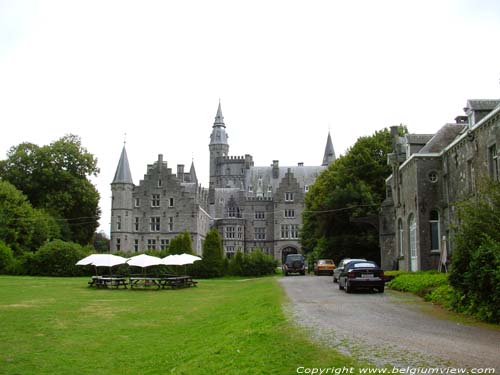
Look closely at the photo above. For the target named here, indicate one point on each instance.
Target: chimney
(180, 172)
(301, 164)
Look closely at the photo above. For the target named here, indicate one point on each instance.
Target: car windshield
(325, 261)
(294, 257)
(365, 265)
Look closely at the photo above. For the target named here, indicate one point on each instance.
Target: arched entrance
(288, 250)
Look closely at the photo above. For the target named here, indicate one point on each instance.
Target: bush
(255, 263)
(212, 263)
(6, 257)
(57, 258)
(420, 283)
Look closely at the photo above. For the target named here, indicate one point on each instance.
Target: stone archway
(288, 250)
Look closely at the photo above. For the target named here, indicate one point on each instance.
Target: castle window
(136, 245)
(250, 189)
(159, 183)
(119, 223)
(229, 251)
(306, 188)
(170, 224)
(412, 239)
(155, 200)
(434, 229)
(171, 202)
(154, 224)
(260, 215)
(152, 244)
(136, 223)
(433, 176)
(233, 211)
(163, 244)
(400, 239)
(260, 233)
(289, 214)
(230, 232)
(240, 232)
(289, 196)
(493, 163)
(118, 244)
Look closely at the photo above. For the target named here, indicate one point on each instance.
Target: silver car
(340, 267)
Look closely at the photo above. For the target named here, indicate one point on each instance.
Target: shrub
(212, 263)
(255, 263)
(419, 283)
(57, 258)
(6, 257)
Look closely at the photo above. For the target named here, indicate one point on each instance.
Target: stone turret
(219, 147)
(122, 204)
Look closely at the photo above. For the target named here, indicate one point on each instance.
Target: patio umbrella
(180, 260)
(107, 260)
(144, 260)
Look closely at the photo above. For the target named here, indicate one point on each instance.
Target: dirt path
(395, 329)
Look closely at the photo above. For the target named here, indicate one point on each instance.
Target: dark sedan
(361, 274)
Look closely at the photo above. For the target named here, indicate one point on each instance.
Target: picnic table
(162, 281)
(110, 280)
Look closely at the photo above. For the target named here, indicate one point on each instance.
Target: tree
(181, 244)
(352, 186)
(475, 267)
(55, 178)
(101, 242)
(212, 263)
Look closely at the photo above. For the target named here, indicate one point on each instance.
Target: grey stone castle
(430, 174)
(252, 207)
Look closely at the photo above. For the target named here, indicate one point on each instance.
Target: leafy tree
(475, 271)
(101, 242)
(181, 244)
(352, 186)
(212, 263)
(6, 257)
(55, 178)
(16, 227)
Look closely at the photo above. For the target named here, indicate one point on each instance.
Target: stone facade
(252, 207)
(431, 173)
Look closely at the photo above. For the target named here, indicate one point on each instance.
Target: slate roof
(442, 138)
(122, 174)
(481, 104)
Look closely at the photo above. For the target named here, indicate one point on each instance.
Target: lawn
(61, 326)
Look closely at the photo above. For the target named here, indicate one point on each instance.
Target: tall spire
(219, 135)
(329, 155)
(123, 175)
(192, 174)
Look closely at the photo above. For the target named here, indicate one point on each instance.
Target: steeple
(192, 174)
(123, 175)
(329, 155)
(219, 135)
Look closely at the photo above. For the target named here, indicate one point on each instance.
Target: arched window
(400, 238)
(412, 239)
(434, 229)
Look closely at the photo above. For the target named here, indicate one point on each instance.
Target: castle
(431, 173)
(252, 207)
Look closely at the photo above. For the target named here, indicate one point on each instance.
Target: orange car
(325, 266)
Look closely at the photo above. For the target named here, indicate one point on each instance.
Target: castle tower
(329, 155)
(121, 205)
(218, 146)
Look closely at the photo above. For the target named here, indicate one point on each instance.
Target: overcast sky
(285, 71)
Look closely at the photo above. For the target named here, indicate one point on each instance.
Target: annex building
(251, 206)
(430, 174)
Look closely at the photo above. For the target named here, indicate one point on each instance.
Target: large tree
(351, 188)
(55, 178)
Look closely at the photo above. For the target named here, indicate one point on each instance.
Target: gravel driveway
(395, 329)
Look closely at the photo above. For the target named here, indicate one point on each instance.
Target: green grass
(420, 283)
(60, 326)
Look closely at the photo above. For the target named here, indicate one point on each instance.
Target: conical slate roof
(123, 175)
(192, 174)
(329, 155)
(219, 135)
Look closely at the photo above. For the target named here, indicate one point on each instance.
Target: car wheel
(348, 288)
(303, 273)
(381, 289)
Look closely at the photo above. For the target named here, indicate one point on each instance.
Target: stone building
(430, 174)
(251, 206)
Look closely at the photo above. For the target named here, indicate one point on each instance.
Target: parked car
(325, 266)
(340, 267)
(294, 263)
(361, 274)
